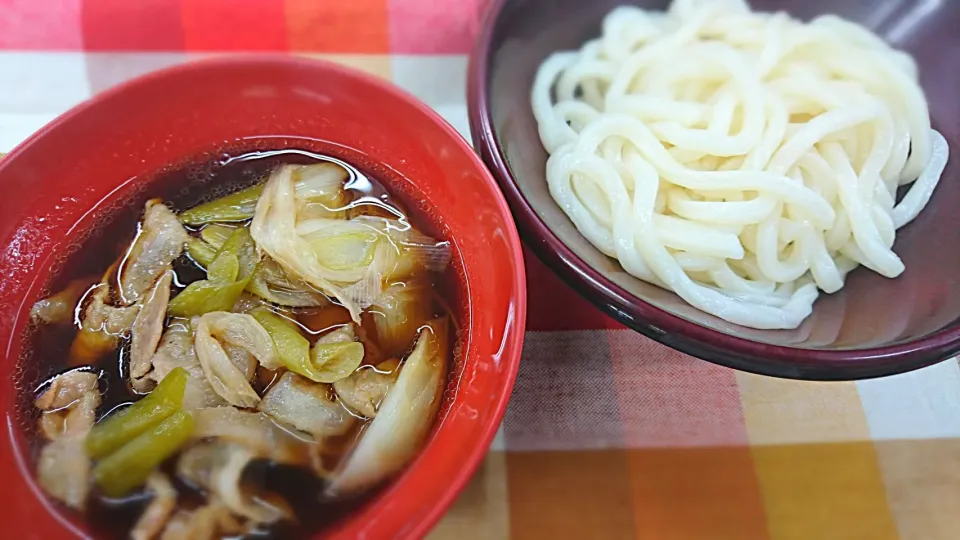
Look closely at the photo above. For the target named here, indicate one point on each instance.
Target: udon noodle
(742, 160)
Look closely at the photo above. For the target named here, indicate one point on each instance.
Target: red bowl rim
(468, 463)
(672, 330)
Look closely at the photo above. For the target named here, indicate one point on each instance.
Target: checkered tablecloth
(609, 435)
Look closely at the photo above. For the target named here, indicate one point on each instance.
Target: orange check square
(354, 26)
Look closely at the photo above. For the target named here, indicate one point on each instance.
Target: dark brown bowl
(874, 326)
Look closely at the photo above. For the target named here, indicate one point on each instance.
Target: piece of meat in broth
(176, 350)
(59, 308)
(364, 390)
(161, 507)
(100, 316)
(101, 326)
(213, 520)
(70, 403)
(66, 390)
(160, 241)
(147, 328)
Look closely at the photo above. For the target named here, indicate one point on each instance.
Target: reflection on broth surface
(266, 347)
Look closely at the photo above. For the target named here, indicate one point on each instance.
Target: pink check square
(32, 25)
(430, 27)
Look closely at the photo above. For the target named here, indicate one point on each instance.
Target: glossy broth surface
(49, 345)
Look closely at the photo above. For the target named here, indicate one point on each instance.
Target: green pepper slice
(129, 467)
(238, 206)
(201, 252)
(216, 235)
(227, 276)
(166, 399)
(292, 348)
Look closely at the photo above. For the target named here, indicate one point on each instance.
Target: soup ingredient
(404, 417)
(272, 283)
(307, 406)
(319, 189)
(253, 430)
(59, 308)
(345, 259)
(269, 281)
(69, 407)
(319, 186)
(89, 346)
(398, 315)
(344, 333)
(293, 350)
(130, 466)
(336, 355)
(230, 373)
(216, 235)
(743, 160)
(101, 316)
(248, 369)
(201, 252)
(177, 351)
(237, 206)
(331, 358)
(364, 390)
(108, 315)
(218, 468)
(111, 434)
(160, 241)
(65, 391)
(227, 277)
(101, 325)
(203, 523)
(274, 229)
(147, 327)
(164, 502)
(354, 249)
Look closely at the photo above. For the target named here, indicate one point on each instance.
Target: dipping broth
(253, 354)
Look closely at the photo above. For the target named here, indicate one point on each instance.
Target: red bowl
(874, 326)
(105, 152)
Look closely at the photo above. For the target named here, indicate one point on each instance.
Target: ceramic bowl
(874, 326)
(106, 152)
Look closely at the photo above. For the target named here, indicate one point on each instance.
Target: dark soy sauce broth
(48, 346)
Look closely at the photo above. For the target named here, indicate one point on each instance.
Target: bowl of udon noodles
(766, 186)
(252, 297)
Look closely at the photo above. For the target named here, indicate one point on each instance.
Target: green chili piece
(227, 277)
(216, 235)
(205, 296)
(292, 348)
(238, 206)
(224, 269)
(110, 434)
(241, 245)
(201, 252)
(129, 467)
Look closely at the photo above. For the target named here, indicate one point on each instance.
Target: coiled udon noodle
(742, 160)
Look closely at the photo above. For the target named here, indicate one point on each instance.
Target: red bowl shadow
(64, 177)
(874, 326)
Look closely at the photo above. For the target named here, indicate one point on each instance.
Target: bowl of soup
(261, 297)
